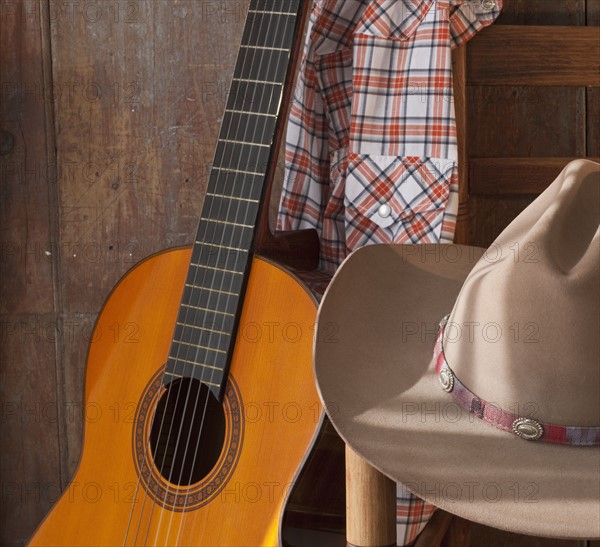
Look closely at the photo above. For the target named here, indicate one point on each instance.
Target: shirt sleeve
(468, 17)
(306, 154)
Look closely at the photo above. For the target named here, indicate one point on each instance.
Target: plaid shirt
(371, 153)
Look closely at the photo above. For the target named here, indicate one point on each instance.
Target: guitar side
(272, 414)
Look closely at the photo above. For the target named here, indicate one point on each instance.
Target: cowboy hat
(495, 414)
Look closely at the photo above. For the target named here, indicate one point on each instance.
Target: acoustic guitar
(219, 377)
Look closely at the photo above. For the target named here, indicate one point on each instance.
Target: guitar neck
(217, 276)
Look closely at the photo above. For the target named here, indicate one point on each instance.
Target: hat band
(526, 428)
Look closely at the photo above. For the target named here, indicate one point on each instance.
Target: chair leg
(370, 505)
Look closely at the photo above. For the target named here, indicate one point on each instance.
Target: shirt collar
(338, 21)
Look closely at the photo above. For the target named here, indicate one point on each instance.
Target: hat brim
(373, 365)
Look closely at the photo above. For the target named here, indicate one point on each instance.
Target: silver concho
(446, 379)
(528, 429)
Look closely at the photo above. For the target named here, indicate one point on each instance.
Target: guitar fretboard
(216, 279)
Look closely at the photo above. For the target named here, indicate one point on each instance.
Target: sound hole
(187, 432)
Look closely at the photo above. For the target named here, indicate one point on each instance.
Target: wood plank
(535, 55)
(521, 124)
(593, 117)
(30, 476)
(514, 176)
(491, 214)
(151, 93)
(27, 173)
(77, 337)
(30, 423)
(459, 68)
(543, 12)
(593, 12)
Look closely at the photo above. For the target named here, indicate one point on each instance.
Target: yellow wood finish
(272, 366)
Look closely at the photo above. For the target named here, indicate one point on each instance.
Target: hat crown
(524, 332)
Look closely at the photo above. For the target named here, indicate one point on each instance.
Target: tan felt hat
(522, 339)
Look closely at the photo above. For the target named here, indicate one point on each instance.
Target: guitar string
(176, 360)
(245, 138)
(205, 370)
(228, 136)
(195, 410)
(213, 373)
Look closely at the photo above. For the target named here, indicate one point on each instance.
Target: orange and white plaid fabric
(371, 152)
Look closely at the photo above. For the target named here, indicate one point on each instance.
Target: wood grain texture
(370, 504)
(493, 214)
(30, 329)
(508, 121)
(593, 12)
(510, 176)
(593, 128)
(535, 55)
(459, 69)
(543, 12)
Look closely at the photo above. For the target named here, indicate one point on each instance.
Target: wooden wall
(109, 112)
(533, 77)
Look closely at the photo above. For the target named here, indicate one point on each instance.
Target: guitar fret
(218, 291)
(262, 67)
(228, 223)
(207, 309)
(271, 12)
(247, 46)
(245, 142)
(213, 195)
(247, 80)
(199, 347)
(194, 364)
(233, 111)
(202, 328)
(222, 246)
(217, 269)
(238, 171)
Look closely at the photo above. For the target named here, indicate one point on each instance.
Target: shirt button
(384, 211)
(488, 4)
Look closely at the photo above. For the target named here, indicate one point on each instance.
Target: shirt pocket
(393, 18)
(395, 199)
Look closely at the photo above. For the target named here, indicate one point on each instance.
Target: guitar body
(271, 412)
